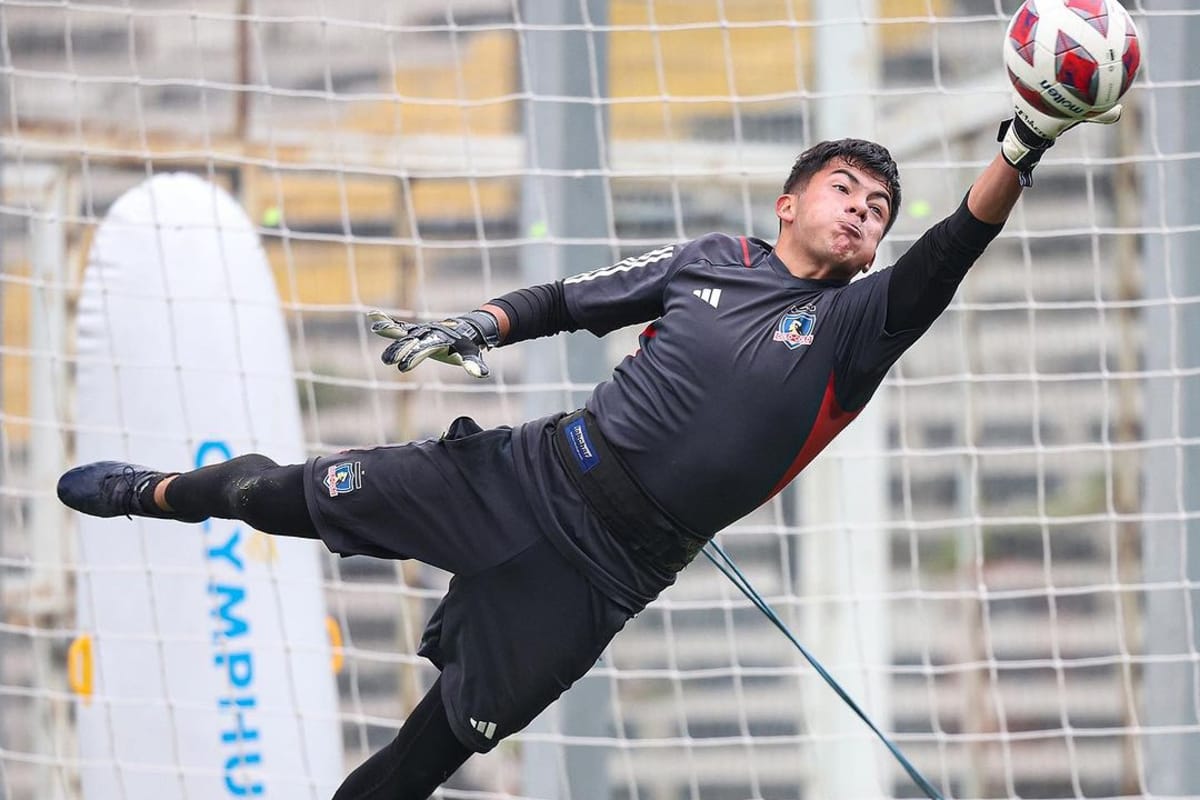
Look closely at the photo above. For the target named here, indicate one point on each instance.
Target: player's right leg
(111, 489)
(251, 488)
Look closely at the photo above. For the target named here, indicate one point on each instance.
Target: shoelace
(128, 476)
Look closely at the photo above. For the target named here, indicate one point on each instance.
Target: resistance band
(725, 564)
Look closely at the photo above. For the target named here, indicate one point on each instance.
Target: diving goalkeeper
(557, 531)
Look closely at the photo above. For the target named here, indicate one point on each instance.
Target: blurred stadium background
(998, 561)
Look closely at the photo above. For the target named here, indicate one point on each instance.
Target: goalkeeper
(559, 530)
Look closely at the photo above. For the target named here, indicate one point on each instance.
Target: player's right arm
(601, 300)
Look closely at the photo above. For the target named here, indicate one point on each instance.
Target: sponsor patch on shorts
(581, 445)
(343, 477)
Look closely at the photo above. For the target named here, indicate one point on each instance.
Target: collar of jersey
(777, 264)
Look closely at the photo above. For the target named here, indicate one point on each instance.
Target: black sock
(421, 758)
(146, 494)
(252, 488)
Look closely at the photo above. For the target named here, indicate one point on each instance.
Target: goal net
(995, 560)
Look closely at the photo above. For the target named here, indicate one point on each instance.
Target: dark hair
(873, 158)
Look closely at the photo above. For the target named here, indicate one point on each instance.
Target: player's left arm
(912, 293)
(926, 277)
(923, 280)
(994, 192)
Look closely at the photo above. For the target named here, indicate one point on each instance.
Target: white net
(1002, 570)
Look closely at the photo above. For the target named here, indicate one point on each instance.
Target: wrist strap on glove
(1022, 147)
(485, 325)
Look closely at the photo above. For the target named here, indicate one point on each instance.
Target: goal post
(997, 560)
(1170, 761)
(563, 204)
(845, 492)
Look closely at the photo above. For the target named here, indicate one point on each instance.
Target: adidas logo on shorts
(488, 729)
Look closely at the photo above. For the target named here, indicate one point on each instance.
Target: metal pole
(47, 533)
(5, 122)
(568, 132)
(845, 496)
(1171, 546)
(241, 119)
(976, 721)
(565, 75)
(1126, 462)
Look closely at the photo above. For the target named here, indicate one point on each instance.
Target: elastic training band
(731, 571)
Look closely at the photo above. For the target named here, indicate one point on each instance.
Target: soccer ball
(1071, 58)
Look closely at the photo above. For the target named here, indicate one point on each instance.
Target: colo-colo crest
(795, 328)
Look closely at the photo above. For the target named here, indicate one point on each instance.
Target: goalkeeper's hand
(459, 341)
(1030, 133)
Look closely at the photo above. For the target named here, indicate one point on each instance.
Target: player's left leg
(510, 639)
(422, 756)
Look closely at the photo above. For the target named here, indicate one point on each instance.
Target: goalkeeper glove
(1031, 132)
(459, 341)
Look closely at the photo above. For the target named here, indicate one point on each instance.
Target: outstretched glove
(459, 341)
(1031, 132)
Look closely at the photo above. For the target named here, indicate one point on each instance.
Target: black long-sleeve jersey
(744, 373)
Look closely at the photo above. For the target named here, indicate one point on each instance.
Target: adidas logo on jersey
(710, 296)
(488, 729)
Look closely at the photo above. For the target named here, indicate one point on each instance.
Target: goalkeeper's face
(831, 226)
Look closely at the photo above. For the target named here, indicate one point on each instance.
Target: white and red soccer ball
(1071, 58)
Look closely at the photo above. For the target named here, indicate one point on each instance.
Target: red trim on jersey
(649, 333)
(830, 421)
(745, 251)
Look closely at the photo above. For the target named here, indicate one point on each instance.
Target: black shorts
(511, 639)
(519, 623)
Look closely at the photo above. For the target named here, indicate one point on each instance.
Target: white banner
(205, 663)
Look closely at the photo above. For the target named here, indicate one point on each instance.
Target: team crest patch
(795, 329)
(343, 478)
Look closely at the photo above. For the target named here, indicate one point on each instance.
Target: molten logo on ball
(1071, 58)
